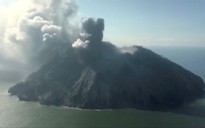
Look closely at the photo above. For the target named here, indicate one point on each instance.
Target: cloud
(51, 29)
(33, 31)
(80, 44)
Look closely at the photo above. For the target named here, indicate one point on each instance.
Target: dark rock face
(111, 79)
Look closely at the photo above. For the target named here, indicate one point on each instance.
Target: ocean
(20, 114)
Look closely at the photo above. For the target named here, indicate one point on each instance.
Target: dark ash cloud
(93, 29)
(91, 32)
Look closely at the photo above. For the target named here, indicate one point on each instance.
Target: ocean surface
(20, 114)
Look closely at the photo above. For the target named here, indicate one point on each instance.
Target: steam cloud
(32, 32)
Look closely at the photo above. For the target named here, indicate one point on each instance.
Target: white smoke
(130, 50)
(80, 44)
(32, 31)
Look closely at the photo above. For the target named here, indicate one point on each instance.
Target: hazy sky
(149, 21)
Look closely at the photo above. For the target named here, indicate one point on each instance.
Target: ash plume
(92, 32)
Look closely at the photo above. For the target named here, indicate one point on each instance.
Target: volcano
(95, 74)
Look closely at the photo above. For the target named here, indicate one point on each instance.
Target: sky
(149, 22)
